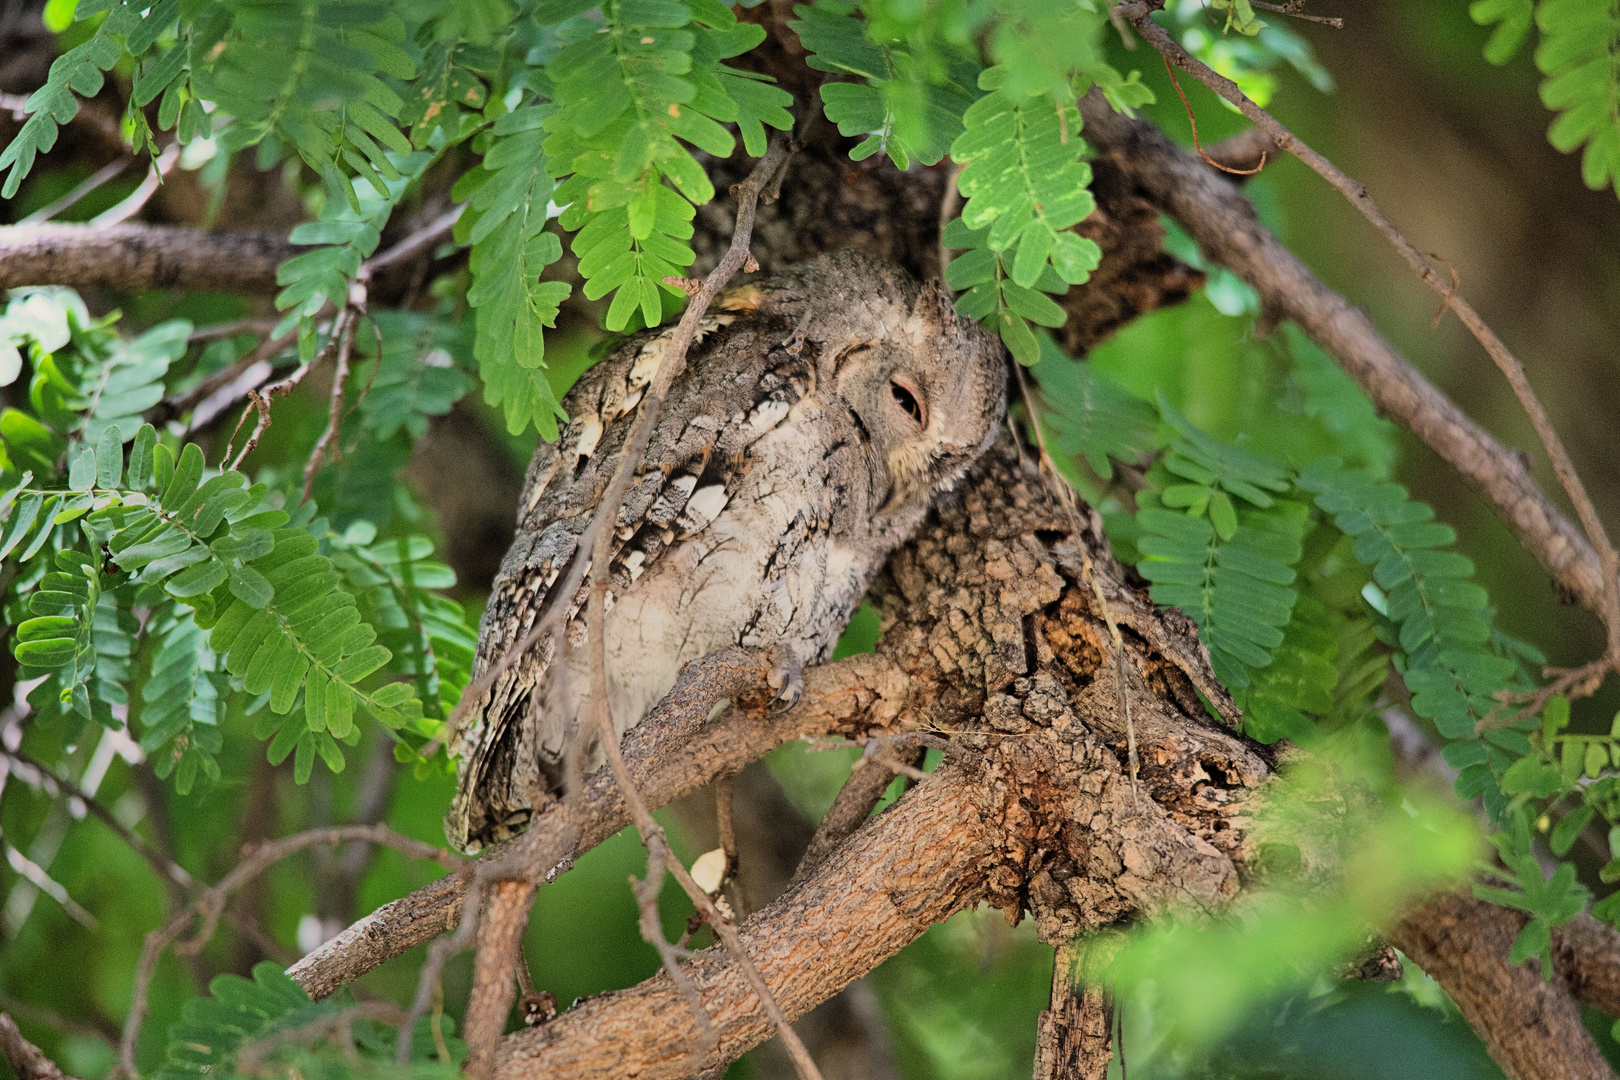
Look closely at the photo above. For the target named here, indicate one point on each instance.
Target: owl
(819, 412)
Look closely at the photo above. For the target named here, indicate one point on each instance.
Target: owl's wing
(737, 387)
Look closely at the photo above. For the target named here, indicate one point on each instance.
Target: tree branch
(1531, 1026)
(673, 752)
(25, 1059)
(138, 257)
(914, 867)
(1223, 223)
(1587, 956)
(1075, 1040)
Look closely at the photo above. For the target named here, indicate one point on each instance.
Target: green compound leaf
(505, 223)
(899, 109)
(1023, 177)
(1237, 589)
(1512, 19)
(1444, 619)
(1580, 55)
(629, 101)
(1086, 416)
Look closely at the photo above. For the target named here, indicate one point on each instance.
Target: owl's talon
(787, 680)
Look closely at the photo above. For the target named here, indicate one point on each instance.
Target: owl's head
(923, 387)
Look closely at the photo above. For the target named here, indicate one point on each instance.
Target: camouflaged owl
(819, 412)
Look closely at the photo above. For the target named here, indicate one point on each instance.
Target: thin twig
(110, 171)
(950, 204)
(251, 1055)
(209, 905)
(725, 790)
(334, 417)
(256, 327)
(429, 990)
(1193, 120)
(143, 192)
(1294, 9)
(1139, 13)
(423, 238)
(260, 399)
(164, 868)
(342, 340)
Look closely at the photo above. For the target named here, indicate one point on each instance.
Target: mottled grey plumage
(816, 418)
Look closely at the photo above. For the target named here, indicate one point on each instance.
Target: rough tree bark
(1461, 941)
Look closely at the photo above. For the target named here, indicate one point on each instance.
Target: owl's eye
(909, 400)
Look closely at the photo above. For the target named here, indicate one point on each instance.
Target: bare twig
(950, 204)
(725, 790)
(500, 938)
(673, 363)
(421, 240)
(110, 171)
(261, 399)
(1223, 223)
(1295, 9)
(25, 1059)
(143, 192)
(256, 327)
(251, 1056)
(334, 418)
(165, 868)
(1193, 121)
(1241, 149)
(211, 903)
(1139, 13)
(429, 990)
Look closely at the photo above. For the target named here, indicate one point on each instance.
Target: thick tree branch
(1075, 1040)
(673, 752)
(913, 867)
(139, 257)
(1587, 955)
(1531, 1026)
(1224, 225)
